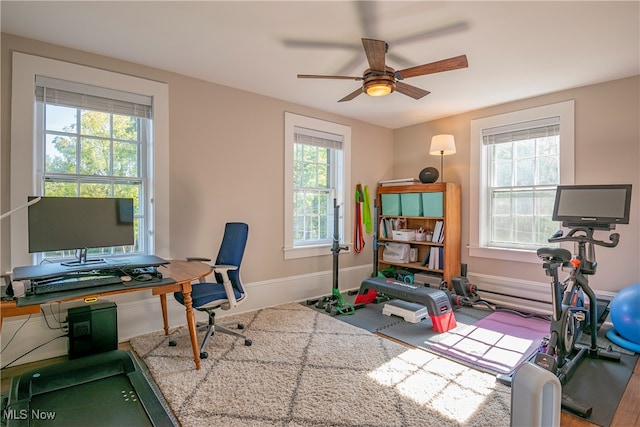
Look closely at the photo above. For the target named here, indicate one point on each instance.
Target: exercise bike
(560, 352)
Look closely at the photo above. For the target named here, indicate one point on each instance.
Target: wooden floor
(627, 415)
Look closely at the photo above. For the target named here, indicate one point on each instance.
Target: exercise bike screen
(597, 204)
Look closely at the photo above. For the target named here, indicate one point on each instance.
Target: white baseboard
(519, 294)
(140, 312)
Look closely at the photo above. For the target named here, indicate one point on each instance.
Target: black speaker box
(92, 329)
(428, 175)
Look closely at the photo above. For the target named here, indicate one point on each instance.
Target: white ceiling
(515, 49)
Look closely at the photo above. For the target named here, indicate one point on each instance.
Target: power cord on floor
(33, 349)
(14, 334)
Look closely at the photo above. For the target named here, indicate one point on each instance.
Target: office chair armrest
(226, 281)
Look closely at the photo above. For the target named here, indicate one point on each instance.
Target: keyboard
(72, 283)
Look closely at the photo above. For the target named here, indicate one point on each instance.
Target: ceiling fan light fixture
(381, 88)
(378, 84)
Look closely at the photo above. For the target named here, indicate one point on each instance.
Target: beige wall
(226, 163)
(607, 142)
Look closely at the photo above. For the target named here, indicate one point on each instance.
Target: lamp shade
(442, 145)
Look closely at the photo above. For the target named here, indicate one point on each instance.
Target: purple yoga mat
(499, 342)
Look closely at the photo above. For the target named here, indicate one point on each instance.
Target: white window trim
(477, 212)
(291, 120)
(23, 152)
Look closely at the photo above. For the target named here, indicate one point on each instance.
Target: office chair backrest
(232, 248)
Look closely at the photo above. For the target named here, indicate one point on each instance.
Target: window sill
(517, 255)
(308, 251)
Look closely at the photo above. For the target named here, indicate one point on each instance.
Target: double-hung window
(93, 142)
(87, 132)
(522, 165)
(519, 159)
(317, 154)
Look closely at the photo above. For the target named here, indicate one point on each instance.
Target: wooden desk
(182, 272)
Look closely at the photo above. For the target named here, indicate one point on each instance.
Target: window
(316, 163)
(104, 138)
(519, 158)
(93, 144)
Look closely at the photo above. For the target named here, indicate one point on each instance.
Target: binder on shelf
(437, 232)
(425, 260)
(434, 258)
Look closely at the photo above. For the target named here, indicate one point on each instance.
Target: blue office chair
(227, 290)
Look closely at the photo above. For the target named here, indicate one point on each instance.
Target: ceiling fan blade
(375, 51)
(319, 44)
(314, 76)
(367, 17)
(434, 32)
(351, 95)
(434, 67)
(352, 65)
(400, 60)
(412, 91)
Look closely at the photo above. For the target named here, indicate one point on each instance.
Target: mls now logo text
(25, 414)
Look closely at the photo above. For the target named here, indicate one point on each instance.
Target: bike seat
(560, 254)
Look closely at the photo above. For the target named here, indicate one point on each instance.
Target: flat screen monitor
(594, 206)
(78, 223)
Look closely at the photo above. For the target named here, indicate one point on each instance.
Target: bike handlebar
(587, 237)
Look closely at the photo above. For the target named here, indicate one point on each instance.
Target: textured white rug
(306, 368)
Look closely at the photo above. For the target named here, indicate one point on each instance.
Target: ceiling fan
(380, 80)
(370, 17)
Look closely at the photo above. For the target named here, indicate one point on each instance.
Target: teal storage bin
(411, 204)
(391, 204)
(433, 204)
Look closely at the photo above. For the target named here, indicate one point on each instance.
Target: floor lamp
(442, 145)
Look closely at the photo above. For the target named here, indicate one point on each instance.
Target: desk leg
(191, 323)
(165, 317)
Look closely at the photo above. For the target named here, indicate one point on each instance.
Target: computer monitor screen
(601, 206)
(63, 223)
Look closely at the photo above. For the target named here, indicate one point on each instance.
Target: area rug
(306, 368)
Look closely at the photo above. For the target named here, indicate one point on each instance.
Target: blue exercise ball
(625, 313)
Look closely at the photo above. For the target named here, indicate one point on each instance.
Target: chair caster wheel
(248, 342)
(172, 343)
(240, 326)
(204, 355)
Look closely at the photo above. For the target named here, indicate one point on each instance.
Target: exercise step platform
(435, 300)
(409, 311)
